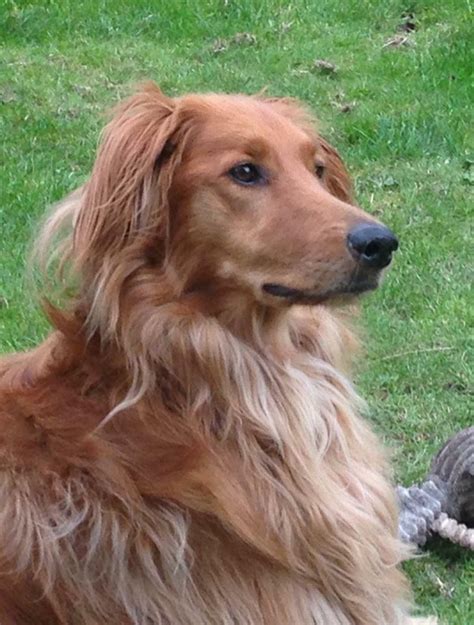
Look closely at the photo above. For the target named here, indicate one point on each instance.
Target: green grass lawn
(399, 114)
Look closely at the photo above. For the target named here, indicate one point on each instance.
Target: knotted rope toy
(444, 502)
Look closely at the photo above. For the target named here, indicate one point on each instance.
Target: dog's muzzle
(372, 245)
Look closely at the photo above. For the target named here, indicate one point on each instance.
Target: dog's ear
(336, 178)
(126, 196)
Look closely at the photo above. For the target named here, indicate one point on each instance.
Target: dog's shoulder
(45, 409)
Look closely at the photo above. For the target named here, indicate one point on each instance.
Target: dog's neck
(279, 331)
(274, 438)
(255, 429)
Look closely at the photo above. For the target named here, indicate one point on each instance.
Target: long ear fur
(122, 221)
(126, 196)
(337, 179)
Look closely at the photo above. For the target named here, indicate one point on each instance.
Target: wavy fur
(182, 450)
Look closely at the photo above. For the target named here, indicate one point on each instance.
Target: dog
(185, 447)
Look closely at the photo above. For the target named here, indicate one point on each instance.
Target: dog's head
(228, 192)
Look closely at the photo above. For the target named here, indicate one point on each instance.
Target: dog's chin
(312, 297)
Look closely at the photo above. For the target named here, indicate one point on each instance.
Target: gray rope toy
(444, 502)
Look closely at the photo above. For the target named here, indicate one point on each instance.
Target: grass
(404, 137)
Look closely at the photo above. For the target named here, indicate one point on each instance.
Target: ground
(393, 94)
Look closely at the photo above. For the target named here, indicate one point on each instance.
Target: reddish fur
(215, 493)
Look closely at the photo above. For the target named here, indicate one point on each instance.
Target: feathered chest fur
(239, 486)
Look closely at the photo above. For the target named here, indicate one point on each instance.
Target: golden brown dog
(185, 447)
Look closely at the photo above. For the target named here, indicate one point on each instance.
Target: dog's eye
(319, 170)
(247, 173)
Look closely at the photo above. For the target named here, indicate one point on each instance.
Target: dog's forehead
(238, 120)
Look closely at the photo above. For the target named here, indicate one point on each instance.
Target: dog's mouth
(313, 297)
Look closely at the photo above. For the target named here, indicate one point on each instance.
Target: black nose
(372, 245)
